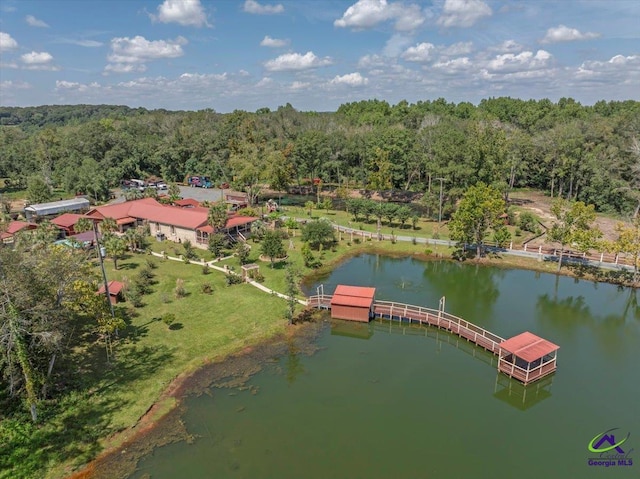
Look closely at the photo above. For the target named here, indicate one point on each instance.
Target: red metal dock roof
(358, 296)
(528, 346)
(359, 291)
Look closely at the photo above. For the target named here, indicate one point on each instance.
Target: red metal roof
(234, 221)
(187, 202)
(206, 229)
(115, 287)
(149, 209)
(358, 296)
(528, 346)
(360, 291)
(15, 226)
(125, 221)
(357, 301)
(66, 220)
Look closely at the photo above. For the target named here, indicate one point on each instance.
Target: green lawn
(149, 355)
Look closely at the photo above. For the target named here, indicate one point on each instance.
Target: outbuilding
(115, 291)
(54, 208)
(527, 357)
(354, 303)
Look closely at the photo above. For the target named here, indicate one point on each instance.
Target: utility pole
(442, 180)
(104, 273)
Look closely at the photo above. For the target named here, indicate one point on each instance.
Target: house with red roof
(175, 223)
(66, 223)
(15, 227)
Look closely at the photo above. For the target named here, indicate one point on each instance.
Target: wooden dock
(508, 363)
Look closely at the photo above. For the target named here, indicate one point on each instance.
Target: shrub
(527, 222)
(151, 264)
(164, 298)
(146, 273)
(435, 235)
(168, 319)
(518, 232)
(205, 269)
(232, 279)
(414, 240)
(428, 251)
(179, 290)
(206, 288)
(357, 241)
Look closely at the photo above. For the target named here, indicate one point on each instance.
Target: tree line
(569, 150)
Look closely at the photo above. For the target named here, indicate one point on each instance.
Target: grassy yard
(149, 355)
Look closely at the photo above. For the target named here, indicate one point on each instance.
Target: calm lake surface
(390, 400)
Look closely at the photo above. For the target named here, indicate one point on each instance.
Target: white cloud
(351, 79)
(508, 46)
(463, 13)
(183, 12)
(7, 42)
(75, 86)
(38, 61)
(421, 53)
(140, 50)
(298, 85)
(562, 33)
(125, 68)
(456, 49)
(368, 13)
(34, 22)
(35, 58)
(297, 62)
(251, 6)
(87, 43)
(619, 67)
(454, 66)
(510, 62)
(396, 44)
(14, 85)
(267, 41)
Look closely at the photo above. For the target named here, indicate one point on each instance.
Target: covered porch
(527, 357)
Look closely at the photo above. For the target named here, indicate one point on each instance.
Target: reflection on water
(519, 396)
(389, 399)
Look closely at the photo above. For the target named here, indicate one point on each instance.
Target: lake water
(391, 400)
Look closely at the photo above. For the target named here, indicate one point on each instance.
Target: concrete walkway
(225, 270)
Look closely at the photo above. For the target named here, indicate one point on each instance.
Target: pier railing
(441, 319)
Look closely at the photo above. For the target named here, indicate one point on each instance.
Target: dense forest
(587, 153)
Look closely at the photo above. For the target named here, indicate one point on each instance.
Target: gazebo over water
(527, 357)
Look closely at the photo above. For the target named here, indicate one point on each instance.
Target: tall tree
(38, 307)
(217, 216)
(628, 242)
(573, 226)
(38, 190)
(479, 211)
(272, 246)
(115, 248)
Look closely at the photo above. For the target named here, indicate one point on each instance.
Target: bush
(428, 251)
(168, 319)
(146, 273)
(414, 240)
(206, 288)
(151, 264)
(527, 222)
(232, 279)
(205, 269)
(356, 240)
(164, 297)
(518, 232)
(134, 297)
(435, 235)
(179, 290)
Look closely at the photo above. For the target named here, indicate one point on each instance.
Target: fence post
(525, 247)
(511, 245)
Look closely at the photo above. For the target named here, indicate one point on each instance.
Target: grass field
(149, 355)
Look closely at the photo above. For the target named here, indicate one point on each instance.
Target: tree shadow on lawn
(72, 424)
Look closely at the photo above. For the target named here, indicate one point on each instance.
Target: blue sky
(314, 54)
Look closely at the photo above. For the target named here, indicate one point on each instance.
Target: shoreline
(126, 446)
(161, 424)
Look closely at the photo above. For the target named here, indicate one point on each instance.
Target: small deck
(440, 319)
